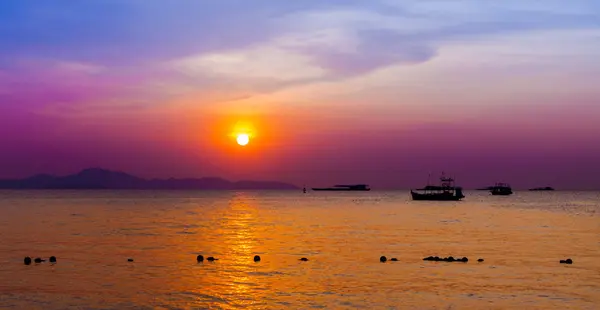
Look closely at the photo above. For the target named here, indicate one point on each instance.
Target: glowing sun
(243, 139)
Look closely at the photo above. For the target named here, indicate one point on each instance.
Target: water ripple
(521, 237)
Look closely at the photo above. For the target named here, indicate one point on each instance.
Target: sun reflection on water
(240, 236)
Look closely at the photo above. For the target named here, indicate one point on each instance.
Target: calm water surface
(93, 233)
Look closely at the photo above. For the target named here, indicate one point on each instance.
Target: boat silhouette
(354, 187)
(446, 191)
(501, 189)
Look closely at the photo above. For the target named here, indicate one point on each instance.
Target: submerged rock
(394, 259)
(448, 259)
(569, 261)
(304, 259)
(566, 261)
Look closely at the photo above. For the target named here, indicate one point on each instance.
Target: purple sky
(381, 92)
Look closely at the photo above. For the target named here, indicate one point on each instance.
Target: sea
(93, 234)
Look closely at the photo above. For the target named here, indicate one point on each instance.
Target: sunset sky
(330, 91)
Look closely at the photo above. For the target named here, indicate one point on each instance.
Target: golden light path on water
(521, 237)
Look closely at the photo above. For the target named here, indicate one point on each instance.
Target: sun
(243, 139)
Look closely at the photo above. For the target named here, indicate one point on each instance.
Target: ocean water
(93, 233)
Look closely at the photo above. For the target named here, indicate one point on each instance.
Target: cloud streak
(278, 42)
(337, 43)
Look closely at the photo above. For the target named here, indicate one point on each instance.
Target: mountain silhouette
(98, 178)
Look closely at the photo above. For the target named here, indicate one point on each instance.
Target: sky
(382, 92)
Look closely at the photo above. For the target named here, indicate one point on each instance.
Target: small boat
(446, 191)
(501, 189)
(547, 188)
(355, 187)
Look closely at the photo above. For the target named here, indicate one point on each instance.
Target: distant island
(97, 178)
(537, 189)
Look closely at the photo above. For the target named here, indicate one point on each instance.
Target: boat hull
(436, 196)
(501, 189)
(341, 189)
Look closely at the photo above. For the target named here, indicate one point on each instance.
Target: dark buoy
(211, 259)
(383, 259)
(200, 258)
(429, 258)
(27, 260)
(394, 259)
(568, 261)
(436, 259)
(304, 259)
(52, 259)
(130, 259)
(464, 259)
(450, 259)
(38, 260)
(257, 258)
(480, 260)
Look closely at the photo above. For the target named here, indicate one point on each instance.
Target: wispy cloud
(124, 49)
(327, 43)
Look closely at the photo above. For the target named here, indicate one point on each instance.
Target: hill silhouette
(98, 178)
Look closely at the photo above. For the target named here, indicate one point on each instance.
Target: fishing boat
(446, 191)
(354, 187)
(501, 189)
